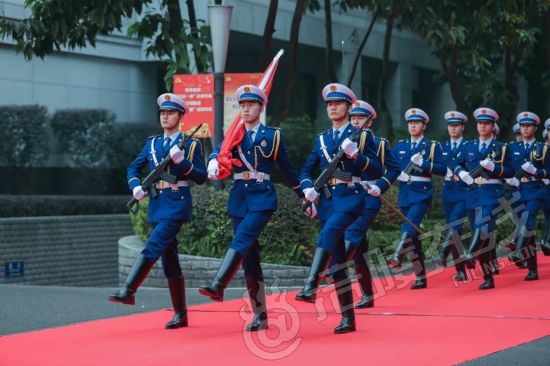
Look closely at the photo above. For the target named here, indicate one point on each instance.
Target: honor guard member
(169, 209)
(531, 164)
(482, 165)
(545, 240)
(453, 193)
(496, 131)
(252, 201)
(355, 237)
(340, 202)
(513, 196)
(419, 158)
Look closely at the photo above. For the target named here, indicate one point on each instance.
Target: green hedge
(23, 206)
(23, 135)
(83, 135)
(289, 238)
(126, 141)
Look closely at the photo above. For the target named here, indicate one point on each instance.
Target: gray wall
(64, 250)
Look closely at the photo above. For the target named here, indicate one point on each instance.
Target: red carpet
(442, 325)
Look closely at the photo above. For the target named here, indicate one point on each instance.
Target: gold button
(246, 184)
(333, 188)
(248, 153)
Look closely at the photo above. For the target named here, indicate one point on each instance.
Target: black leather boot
(531, 260)
(486, 268)
(364, 279)
(395, 260)
(517, 256)
(494, 261)
(319, 264)
(475, 244)
(256, 292)
(419, 267)
(447, 246)
(345, 300)
(177, 294)
(140, 270)
(229, 267)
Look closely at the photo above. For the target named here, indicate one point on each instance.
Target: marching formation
(356, 169)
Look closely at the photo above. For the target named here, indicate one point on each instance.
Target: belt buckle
(456, 178)
(479, 180)
(332, 181)
(246, 175)
(524, 180)
(174, 187)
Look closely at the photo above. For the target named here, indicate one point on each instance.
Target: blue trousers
(163, 244)
(455, 214)
(356, 231)
(414, 212)
(483, 217)
(528, 216)
(246, 231)
(331, 238)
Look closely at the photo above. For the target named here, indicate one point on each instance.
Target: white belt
(334, 181)
(165, 185)
(258, 176)
(363, 182)
(414, 178)
(529, 179)
(481, 180)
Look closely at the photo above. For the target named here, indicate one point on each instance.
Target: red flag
(235, 132)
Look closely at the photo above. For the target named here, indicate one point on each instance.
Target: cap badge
(246, 89)
(167, 98)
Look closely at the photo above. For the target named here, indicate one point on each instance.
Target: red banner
(198, 92)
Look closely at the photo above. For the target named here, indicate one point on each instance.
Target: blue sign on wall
(14, 269)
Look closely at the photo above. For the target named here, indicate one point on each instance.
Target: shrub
(23, 135)
(127, 140)
(83, 135)
(288, 238)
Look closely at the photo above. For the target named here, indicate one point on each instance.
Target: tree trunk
(360, 50)
(268, 33)
(451, 74)
(328, 55)
(382, 107)
(195, 34)
(293, 61)
(176, 23)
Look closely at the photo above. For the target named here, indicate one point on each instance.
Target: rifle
(333, 170)
(479, 172)
(148, 183)
(394, 209)
(411, 167)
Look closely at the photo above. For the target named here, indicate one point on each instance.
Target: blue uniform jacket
(250, 195)
(170, 204)
(432, 164)
(390, 168)
(486, 194)
(344, 197)
(454, 190)
(538, 154)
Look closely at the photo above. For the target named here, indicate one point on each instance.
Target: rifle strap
(324, 148)
(153, 152)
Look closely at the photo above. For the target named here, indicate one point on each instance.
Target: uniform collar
(487, 143)
(172, 137)
(341, 129)
(458, 141)
(529, 143)
(255, 128)
(417, 141)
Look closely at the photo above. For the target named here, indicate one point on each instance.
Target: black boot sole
(122, 301)
(304, 298)
(345, 330)
(211, 294)
(257, 327)
(181, 324)
(365, 305)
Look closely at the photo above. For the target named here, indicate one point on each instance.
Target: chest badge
(263, 143)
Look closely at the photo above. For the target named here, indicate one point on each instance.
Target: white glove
(311, 194)
(403, 177)
(546, 181)
(513, 182)
(374, 190)
(417, 159)
(138, 193)
(213, 169)
(529, 168)
(449, 174)
(176, 154)
(350, 148)
(311, 211)
(466, 177)
(487, 164)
